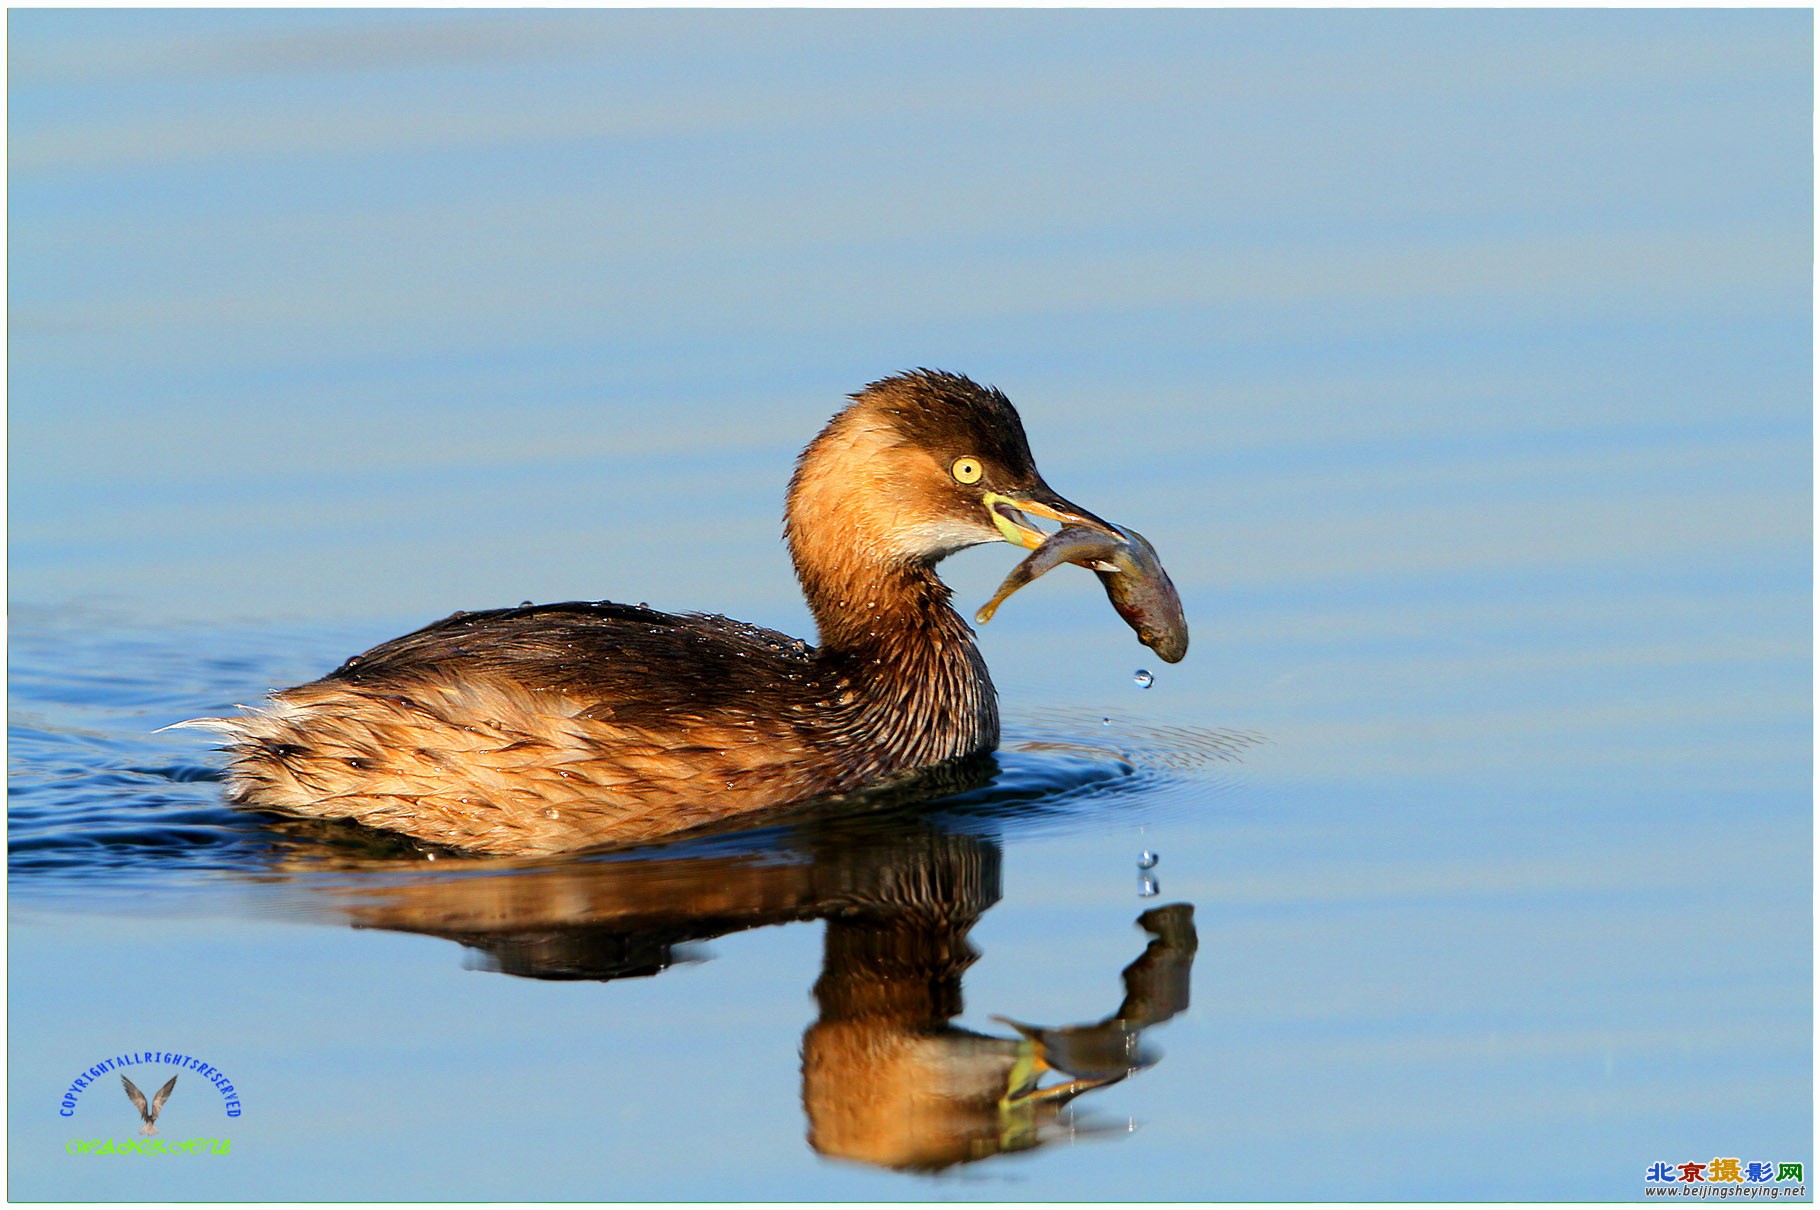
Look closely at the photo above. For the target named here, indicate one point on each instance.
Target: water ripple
(97, 800)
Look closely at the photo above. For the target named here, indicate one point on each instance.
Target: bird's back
(545, 728)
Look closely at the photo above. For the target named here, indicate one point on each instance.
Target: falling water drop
(1146, 860)
(1143, 678)
(1147, 887)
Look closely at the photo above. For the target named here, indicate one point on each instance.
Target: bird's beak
(1008, 513)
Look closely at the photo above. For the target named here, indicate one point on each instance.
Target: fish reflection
(887, 1078)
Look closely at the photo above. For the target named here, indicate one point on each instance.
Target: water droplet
(1146, 860)
(1143, 678)
(551, 814)
(429, 857)
(1147, 887)
(525, 604)
(1105, 722)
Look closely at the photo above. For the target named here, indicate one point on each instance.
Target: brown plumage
(555, 727)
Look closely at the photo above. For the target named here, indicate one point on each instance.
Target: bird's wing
(137, 1097)
(164, 1094)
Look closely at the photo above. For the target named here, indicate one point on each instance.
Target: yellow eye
(967, 470)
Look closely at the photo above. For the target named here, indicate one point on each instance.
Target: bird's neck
(904, 685)
(902, 665)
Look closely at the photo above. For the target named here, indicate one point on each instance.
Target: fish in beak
(1127, 565)
(1011, 513)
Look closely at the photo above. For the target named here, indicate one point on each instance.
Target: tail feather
(257, 745)
(232, 727)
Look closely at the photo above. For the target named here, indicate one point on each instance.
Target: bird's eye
(967, 470)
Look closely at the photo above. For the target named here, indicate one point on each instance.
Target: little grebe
(549, 728)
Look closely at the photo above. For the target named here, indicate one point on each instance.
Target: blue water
(1458, 364)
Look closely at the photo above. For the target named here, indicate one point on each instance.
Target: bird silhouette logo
(149, 1113)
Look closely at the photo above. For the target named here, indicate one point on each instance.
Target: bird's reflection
(887, 1078)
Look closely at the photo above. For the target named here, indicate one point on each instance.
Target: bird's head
(918, 466)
